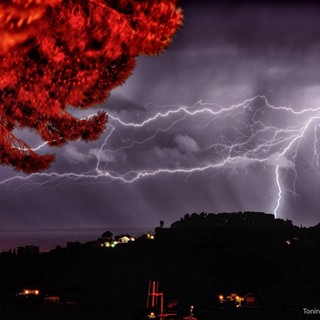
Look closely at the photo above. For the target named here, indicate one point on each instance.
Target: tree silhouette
(107, 235)
(60, 53)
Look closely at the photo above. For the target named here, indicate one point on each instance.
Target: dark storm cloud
(226, 52)
(117, 103)
(244, 49)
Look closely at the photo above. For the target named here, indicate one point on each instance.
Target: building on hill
(124, 238)
(107, 240)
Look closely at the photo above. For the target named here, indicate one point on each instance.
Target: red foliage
(60, 53)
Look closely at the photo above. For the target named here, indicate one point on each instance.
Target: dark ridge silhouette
(252, 220)
(269, 263)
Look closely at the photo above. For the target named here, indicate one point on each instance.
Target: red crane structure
(155, 301)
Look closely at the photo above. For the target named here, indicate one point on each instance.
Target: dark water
(49, 239)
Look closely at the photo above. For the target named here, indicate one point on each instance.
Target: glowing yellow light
(221, 297)
(26, 291)
(150, 236)
(36, 292)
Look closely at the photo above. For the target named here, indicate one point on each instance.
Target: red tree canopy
(57, 53)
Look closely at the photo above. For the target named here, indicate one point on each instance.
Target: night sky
(250, 58)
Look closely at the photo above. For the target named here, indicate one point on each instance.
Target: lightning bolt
(250, 133)
(279, 192)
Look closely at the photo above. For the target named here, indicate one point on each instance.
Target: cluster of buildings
(106, 240)
(33, 295)
(156, 309)
(234, 300)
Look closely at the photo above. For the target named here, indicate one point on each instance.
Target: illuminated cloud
(168, 154)
(280, 161)
(186, 144)
(104, 155)
(74, 156)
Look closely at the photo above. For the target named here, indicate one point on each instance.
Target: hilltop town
(205, 266)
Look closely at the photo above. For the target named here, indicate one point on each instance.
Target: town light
(152, 315)
(150, 236)
(191, 310)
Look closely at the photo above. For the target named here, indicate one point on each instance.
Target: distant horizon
(144, 227)
(48, 240)
(71, 229)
